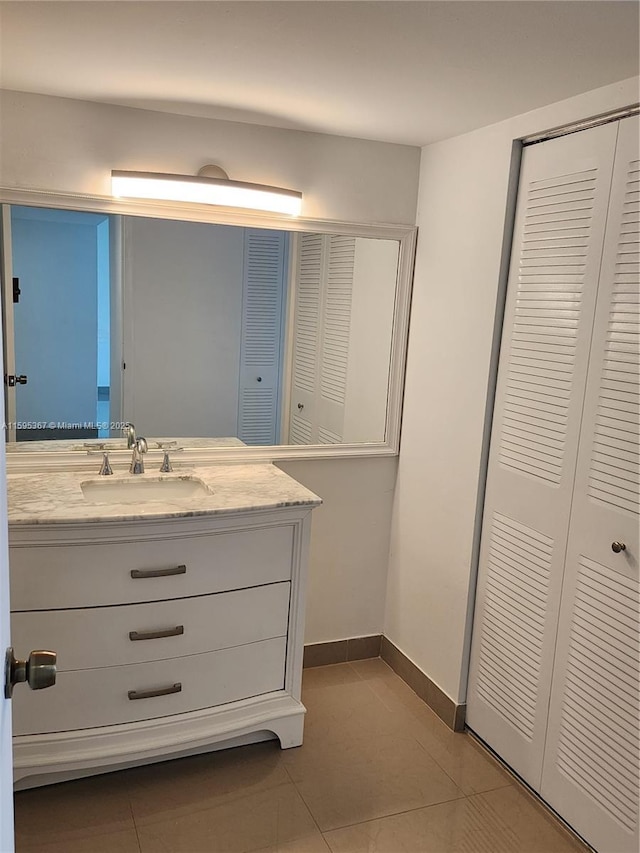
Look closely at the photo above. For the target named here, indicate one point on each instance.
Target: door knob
(39, 670)
(12, 380)
(618, 546)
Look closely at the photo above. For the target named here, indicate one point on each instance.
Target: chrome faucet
(130, 431)
(137, 463)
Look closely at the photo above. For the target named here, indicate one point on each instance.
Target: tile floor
(378, 773)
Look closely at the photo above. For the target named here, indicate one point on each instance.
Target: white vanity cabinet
(173, 636)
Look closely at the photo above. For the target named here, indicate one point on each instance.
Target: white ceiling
(407, 72)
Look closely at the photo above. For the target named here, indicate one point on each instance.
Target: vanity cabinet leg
(289, 730)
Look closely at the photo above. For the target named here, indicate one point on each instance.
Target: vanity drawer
(100, 697)
(86, 575)
(101, 636)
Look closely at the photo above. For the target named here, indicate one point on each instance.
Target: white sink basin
(138, 489)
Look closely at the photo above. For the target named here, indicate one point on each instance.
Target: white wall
(349, 544)
(463, 194)
(72, 146)
(183, 313)
(373, 293)
(66, 145)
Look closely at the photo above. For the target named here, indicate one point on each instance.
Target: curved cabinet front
(91, 637)
(172, 637)
(112, 695)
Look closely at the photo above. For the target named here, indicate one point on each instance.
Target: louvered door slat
(593, 744)
(556, 256)
(260, 349)
(307, 337)
(322, 336)
(337, 319)
(307, 312)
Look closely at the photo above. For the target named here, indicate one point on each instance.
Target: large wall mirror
(217, 335)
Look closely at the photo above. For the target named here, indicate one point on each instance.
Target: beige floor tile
(370, 779)
(453, 827)
(470, 766)
(344, 719)
(392, 691)
(328, 676)
(378, 771)
(203, 781)
(516, 811)
(345, 712)
(309, 844)
(268, 820)
(469, 825)
(86, 816)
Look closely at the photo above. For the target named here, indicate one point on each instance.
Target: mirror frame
(406, 235)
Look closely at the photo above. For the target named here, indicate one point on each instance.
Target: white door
(263, 279)
(557, 250)
(6, 277)
(592, 753)
(6, 770)
(324, 290)
(336, 326)
(306, 337)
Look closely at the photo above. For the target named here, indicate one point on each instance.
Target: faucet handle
(105, 468)
(166, 466)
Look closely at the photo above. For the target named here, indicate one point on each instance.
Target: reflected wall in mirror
(195, 329)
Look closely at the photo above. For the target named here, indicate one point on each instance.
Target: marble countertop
(51, 498)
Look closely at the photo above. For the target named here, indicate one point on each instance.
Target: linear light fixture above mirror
(211, 186)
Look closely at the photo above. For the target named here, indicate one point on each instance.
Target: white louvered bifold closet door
(264, 271)
(556, 255)
(322, 321)
(592, 753)
(306, 337)
(336, 323)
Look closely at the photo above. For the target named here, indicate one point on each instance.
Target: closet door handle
(156, 635)
(616, 547)
(160, 691)
(158, 573)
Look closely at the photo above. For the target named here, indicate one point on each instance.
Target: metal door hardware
(12, 381)
(39, 670)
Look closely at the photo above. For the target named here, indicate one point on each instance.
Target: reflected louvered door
(334, 352)
(306, 337)
(260, 349)
(322, 320)
(556, 255)
(593, 752)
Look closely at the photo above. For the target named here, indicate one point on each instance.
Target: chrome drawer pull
(156, 635)
(160, 691)
(158, 573)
